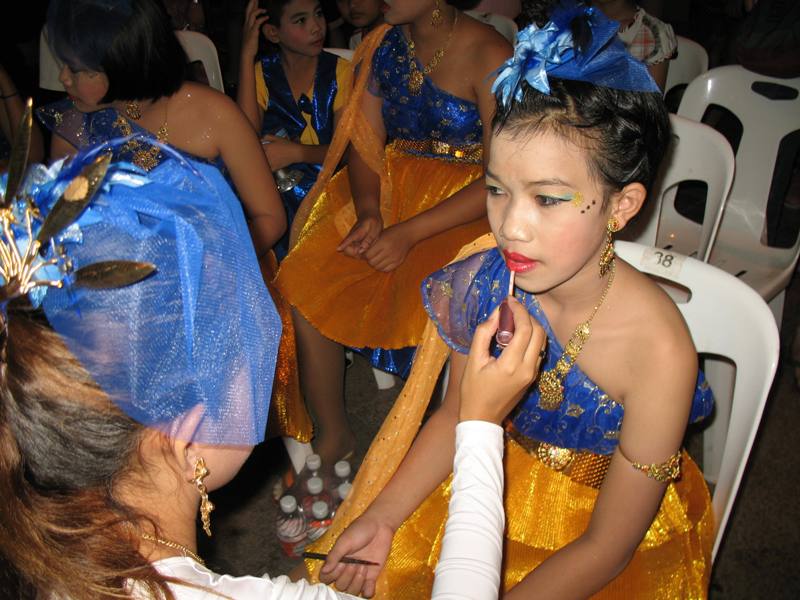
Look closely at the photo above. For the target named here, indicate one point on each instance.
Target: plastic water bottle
(313, 469)
(315, 492)
(342, 492)
(342, 478)
(291, 527)
(320, 520)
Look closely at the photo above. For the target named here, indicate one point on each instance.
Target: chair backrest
(769, 110)
(691, 61)
(343, 52)
(697, 153)
(200, 47)
(505, 26)
(49, 68)
(726, 318)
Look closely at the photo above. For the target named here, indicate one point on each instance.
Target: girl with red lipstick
(600, 500)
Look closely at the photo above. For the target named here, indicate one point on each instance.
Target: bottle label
(317, 528)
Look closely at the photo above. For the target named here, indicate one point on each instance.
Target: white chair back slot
(49, 68)
(691, 61)
(342, 52)
(200, 47)
(740, 247)
(505, 26)
(697, 153)
(726, 318)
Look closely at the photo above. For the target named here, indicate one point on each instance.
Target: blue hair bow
(550, 50)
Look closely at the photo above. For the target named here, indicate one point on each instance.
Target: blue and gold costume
(83, 130)
(309, 119)
(433, 149)
(555, 463)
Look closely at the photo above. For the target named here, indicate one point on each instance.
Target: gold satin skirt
(288, 416)
(545, 510)
(347, 300)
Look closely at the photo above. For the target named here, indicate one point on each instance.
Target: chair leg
(298, 451)
(384, 380)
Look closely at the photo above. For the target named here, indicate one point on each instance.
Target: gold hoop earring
(607, 255)
(133, 110)
(206, 506)
(436, 17)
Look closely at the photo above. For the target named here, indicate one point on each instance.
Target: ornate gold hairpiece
(25, 236)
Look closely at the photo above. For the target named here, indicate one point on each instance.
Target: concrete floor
(758, 558)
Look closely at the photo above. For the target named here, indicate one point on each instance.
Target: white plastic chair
(345, 53)
(726, 318)
(505, 26)
(697, 153)
(200, 47)
(49, 68)
(691, 61)
(739, 248)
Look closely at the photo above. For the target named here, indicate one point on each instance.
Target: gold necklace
(145, 156)
(551, 388)
(174, 545)
(416, 77)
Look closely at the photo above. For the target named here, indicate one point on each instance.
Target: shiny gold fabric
(287, 410)
(344, 298)
(545, 510)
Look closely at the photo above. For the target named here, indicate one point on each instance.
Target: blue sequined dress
(433, 150)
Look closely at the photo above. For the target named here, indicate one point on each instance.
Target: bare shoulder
(482, 45)
(657, 339)
(195, 100)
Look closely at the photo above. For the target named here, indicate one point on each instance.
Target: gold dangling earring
(206, 506)
(436, 17)
(133, 111)
(607, 255)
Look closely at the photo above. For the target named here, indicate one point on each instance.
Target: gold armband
(664, 472)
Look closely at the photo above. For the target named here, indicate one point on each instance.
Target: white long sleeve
(472, 549)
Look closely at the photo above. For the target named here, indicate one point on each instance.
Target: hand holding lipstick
(491, 386)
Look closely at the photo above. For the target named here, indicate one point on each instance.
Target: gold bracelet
(664, 472)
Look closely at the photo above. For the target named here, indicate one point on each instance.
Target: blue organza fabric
(191, 349)
(462, 295)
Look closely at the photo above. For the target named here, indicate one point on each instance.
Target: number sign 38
(662, 262)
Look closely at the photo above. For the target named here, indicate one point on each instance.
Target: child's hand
(390, 249)
(362, 235)
(280, 152)
(366, 538)
(491, 387)
(254, 18)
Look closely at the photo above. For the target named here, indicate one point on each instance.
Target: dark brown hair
(63, 449)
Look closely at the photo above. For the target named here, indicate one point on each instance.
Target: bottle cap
(314, 485)
(288, 504)
(342, 468)
(319, 509)
(344, 489)
(313, 462)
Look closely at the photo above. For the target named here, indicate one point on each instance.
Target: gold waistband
(470, 153)
(580, 466)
